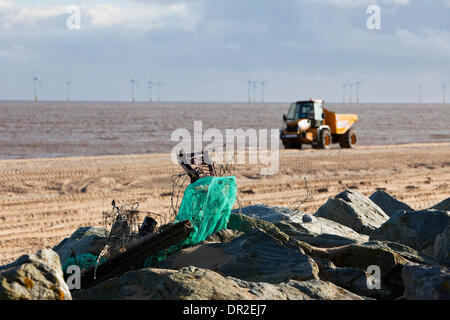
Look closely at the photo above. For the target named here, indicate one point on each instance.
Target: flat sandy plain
(44, 200)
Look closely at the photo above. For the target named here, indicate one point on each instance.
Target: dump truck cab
(308, 122)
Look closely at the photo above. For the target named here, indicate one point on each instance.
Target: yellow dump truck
(308, 122)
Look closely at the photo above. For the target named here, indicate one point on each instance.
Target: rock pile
(353, 248)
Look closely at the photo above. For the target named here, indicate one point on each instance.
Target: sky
(207, 50)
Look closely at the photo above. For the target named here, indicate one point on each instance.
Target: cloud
(16, 52)
(361, 3)
(124, 14)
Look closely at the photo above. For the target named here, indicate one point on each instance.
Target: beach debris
(197, 164)
(134, 257)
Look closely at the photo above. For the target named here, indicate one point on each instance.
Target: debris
(134, 257)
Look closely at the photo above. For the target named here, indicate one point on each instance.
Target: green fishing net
(207, 203)
(84, 261)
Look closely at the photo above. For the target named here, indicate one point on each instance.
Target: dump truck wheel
(347, 140)
(325, 139)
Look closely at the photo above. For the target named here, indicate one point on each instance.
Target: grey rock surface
(415, 229)
(354, 210)
(36, 276)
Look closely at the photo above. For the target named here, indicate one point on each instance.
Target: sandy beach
(44, 200)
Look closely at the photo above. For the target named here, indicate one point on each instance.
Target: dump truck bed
(339, 123)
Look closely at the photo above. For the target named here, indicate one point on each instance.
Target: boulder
(243, 223)
(158, 284)
(415, 229)
(441, 247)
(354, 210)
(224, 235)
(444, 205)
(388, 203)
(426, 282)
(254, 256)
(322, 233)
(355, 280)
(405, 251)
(36, 276)
(267, 213)
(362, 256)
(84, 240)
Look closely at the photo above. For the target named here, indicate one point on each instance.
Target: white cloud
(361, 3)
(16, 52)
(137, 15)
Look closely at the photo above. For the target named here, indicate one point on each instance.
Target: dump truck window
(292, 112)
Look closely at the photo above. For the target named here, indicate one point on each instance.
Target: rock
(426, 282)
(267, 213)
(355, 280)
(254, 256)
(354, 210)
(444, 205)
(192, 283)
(362, 256)
(321, 233)
(388, 203)
(224, 235)
(306, 218)
(242, 223)
(441, 247)
(415, 229)
(84, 240)
(405, 251)
(36, 276)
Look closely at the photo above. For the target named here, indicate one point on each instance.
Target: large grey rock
(388, 203)
(444, 205)
(322, 233)
(405, 251)
(415, 229)
(356, 280)
(243, 223)
(354, 210)
(362, 256)
(426, 282)
(441, 247)
(267, 213)
(254, 256)
(192, 283)
(84, 240)
(36, 276)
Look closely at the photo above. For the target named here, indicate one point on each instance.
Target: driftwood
(135, 257)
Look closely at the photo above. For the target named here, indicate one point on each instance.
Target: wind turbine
(420, 93)
(36, 80)
(263, 84)
(254, 90)
(444, 91)
(150, 90)
(350, 85)
(133, 82)
(159, 84)
(249, 83)
(357, 83)
(68, 83)
(344, 92)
